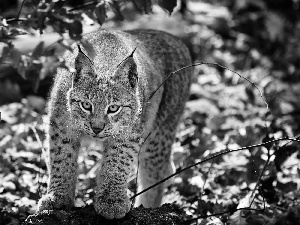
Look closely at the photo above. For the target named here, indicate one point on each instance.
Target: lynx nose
(98, 129)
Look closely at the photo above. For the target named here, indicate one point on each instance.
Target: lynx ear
(83, 65)
(127, 71)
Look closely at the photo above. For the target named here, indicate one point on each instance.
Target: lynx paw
(52, 201)
(112, 205)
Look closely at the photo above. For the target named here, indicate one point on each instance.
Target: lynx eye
(86, 106)
(113, 109)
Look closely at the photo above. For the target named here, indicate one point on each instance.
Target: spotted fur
(107, 98)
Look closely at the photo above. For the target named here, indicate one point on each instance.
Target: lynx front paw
(54, 201)
(112, 205)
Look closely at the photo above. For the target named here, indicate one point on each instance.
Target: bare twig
(228, 211)
(252, 83)
(264, 168)
(15, 20)
(83, 5)
(40, 157)
(138, 163)
(210, 64)
(260, 176)
(164, 81)
(223, 67)
(18, 15)
(223, 152)
(37, 138)
(201, 193)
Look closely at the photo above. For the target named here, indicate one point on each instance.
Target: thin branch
(204, 183)
(18, 15)
(223, 67)
(15, 20)
(210, 64)
(264, 168)
(183, 68)
(223, 152)
(83, 6)
(37, 138)
(228, 211)
(258, 180)
(40, 157)
(137, 171)
(296, 137)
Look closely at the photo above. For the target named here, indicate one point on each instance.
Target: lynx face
(104, 107)
(103, 113)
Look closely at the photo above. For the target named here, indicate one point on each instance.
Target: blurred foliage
(63, 17)
(257, 38)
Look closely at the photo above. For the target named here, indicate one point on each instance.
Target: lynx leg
(155, 164)
(62, 167)
(111, 199)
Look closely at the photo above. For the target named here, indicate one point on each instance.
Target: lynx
(107, 98)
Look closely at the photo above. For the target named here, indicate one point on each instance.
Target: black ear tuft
(83, 58)
(129, 68)
(132, 74)
(83, 65)
(131, 55)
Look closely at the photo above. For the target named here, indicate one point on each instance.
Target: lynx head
(103, 105)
